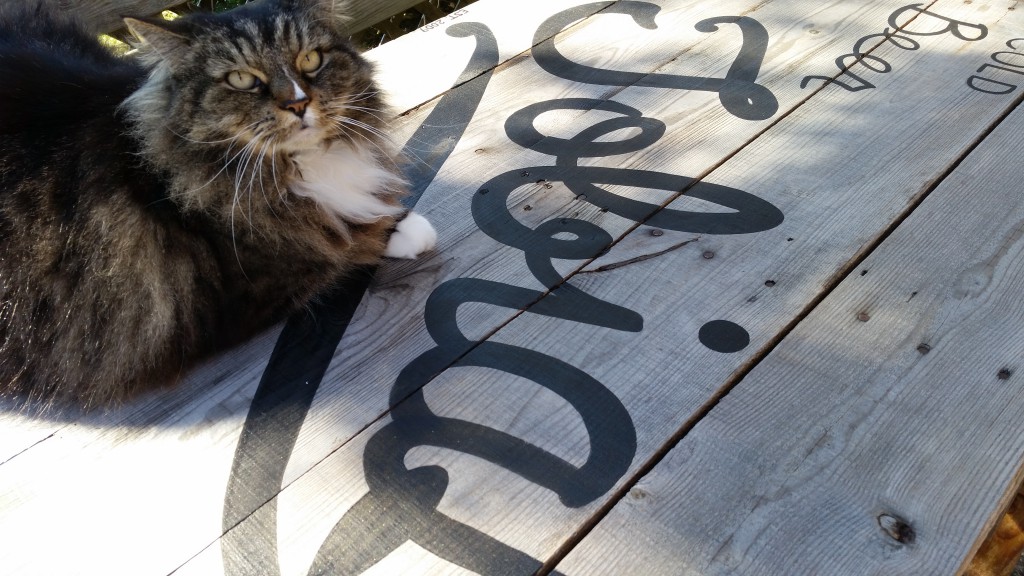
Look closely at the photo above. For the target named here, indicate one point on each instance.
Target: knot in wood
(897, 528)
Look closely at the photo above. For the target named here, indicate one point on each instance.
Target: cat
(156, 209)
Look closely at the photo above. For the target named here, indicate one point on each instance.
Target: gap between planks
(744, 370)
(372, 422)
(586, 527)
(576, 537)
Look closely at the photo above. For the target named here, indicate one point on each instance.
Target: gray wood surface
(849, 424)
(842, 167)
(178, 444)
(662, 376)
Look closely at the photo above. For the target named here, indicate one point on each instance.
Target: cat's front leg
(413, 236)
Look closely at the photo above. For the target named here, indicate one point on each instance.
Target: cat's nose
(297, 106)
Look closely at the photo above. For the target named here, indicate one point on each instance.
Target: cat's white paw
(412, 237)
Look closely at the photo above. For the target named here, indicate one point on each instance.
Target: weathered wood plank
(662, 376)
(185, 437)
(98, 480)
(355, 386)
(915, 414)
(356, 390)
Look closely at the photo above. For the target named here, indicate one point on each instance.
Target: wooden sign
(719, 289)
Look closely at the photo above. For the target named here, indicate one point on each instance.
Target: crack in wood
(641, 258)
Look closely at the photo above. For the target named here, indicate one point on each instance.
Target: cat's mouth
(305, 132)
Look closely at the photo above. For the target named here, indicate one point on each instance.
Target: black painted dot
(724, 336)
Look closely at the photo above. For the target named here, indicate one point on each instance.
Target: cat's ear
(160, 36)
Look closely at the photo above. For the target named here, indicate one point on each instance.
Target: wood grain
(849, 421)
(163, 461)
(178, 445)
(662, 376)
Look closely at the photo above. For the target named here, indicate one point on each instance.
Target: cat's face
(278, 75)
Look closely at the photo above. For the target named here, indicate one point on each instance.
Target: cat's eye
(310, 62)
(242, 80)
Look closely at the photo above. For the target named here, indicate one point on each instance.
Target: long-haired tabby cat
(158, 208)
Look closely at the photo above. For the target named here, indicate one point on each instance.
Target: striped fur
(151, 213)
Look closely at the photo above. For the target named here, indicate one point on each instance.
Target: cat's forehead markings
(241, 47)
(250, 28)
(288, 33)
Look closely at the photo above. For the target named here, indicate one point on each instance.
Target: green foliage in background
(218, 5)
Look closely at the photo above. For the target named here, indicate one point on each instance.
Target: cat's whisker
(410, 154)
(227, 161)
(364, 94)
(255, 160)
(243, 162)
(243, 168)
(245, 153)
(371, 129)
(259, 169)
(258, 172)
(369, 140)
(368, 111)
(228, 140)
(273, 169)
(359, 97)
(235, 204)
(282, 195)
(362, 125)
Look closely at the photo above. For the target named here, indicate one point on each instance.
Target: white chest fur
(347, 181)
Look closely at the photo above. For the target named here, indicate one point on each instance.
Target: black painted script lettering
(924, 25)
(739, 92)
(309, 340)
(923, 22)
(401, 503)
(1012, 62)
